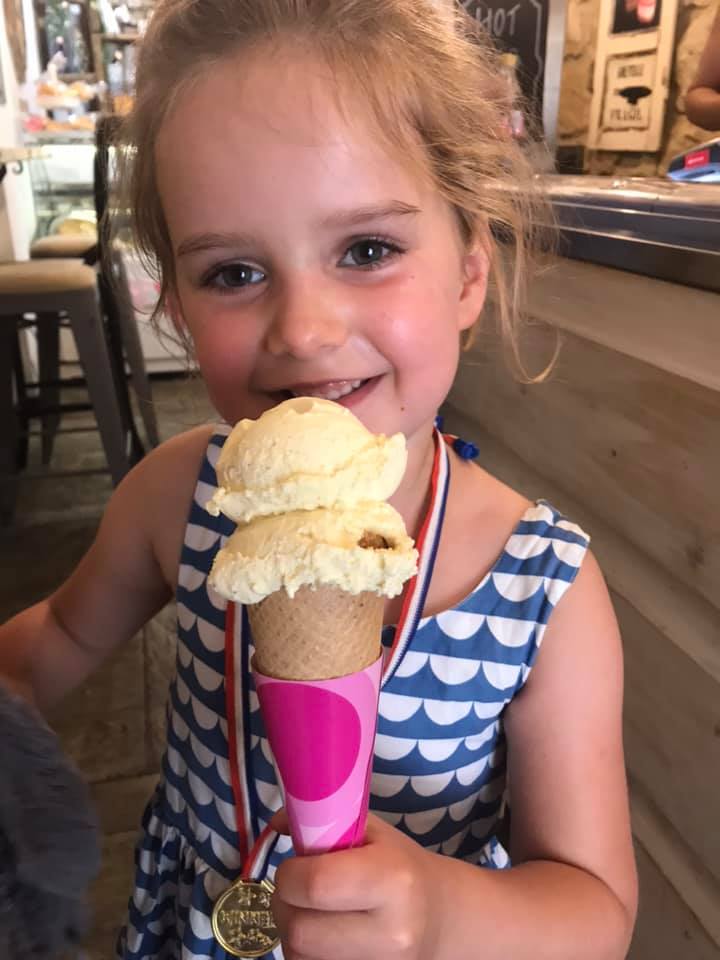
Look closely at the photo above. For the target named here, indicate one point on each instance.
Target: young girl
(323, 183)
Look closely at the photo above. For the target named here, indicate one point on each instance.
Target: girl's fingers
(279, 821)
(318, 935)
(357, 879)
(363, 878)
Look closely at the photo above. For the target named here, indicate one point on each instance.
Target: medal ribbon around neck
(427, 544)
(255, 853)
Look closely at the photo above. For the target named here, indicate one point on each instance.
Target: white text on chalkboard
(499, 22)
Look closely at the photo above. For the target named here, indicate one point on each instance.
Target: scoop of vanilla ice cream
(303, 454)
(363, 548)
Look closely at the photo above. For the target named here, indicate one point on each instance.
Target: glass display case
(62, 184)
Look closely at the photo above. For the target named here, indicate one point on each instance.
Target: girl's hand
(379, 900)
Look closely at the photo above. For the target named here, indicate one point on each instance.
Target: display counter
(654, 227)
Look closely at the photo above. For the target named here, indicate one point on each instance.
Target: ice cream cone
(318, 634)
(317, 669)
(316, 553)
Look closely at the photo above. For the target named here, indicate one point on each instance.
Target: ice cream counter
(624, 438)
(652, 227)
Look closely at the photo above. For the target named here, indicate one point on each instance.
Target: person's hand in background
(702, 102)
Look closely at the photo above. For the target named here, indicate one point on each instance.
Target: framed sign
(533, 30)
(632, 74)
(629, 83)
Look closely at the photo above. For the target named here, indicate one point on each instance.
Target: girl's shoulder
(492, 532)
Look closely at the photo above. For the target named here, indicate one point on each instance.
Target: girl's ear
(475, 269)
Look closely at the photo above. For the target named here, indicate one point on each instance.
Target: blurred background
(618, 102)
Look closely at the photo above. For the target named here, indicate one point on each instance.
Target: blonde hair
(433, 85)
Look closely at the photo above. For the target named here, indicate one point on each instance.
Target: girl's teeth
(332, 392)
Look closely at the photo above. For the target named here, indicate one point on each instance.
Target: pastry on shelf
(83, 90)
(84, 121)
(122, 104)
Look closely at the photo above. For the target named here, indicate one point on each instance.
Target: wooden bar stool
(58, 247)
(63, 246)
(122, 327)
(46, 289)
(117, 305)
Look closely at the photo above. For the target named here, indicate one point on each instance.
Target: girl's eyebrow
(211, 241)
(342, 218)
(353, 218)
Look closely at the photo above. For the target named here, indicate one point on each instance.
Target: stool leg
(134, 353)
(114, 342)
(92, 348)
(48, 335)
(8, 425)
(23, 415)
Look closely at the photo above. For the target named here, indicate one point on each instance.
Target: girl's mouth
(331, 390)
(346, 392)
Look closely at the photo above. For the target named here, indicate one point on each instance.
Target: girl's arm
(572, 891)
(702, 101)
(127, 575)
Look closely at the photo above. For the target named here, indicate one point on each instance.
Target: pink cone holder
(322, 734)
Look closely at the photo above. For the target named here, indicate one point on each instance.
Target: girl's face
(307, 259)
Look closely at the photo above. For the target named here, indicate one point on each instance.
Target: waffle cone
(318, 634)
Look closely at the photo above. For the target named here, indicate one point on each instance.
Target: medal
(242, 919)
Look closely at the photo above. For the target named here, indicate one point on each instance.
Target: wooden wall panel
(672, 733)
(666, 928)
(698, 889)
(679, 613)
(672, 327)
(640, 445)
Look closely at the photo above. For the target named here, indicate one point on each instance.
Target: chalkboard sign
(520, 27)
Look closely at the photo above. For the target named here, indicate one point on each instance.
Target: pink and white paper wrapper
(322, 735)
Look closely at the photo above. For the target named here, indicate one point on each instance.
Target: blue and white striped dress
(439, 772)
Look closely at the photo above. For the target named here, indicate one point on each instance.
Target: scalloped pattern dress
(439, 770)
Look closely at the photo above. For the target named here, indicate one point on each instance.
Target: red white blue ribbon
(427, 545)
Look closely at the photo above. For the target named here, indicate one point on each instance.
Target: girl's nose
(304, 324)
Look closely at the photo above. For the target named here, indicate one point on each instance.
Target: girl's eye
(233, 276)
(369, 252)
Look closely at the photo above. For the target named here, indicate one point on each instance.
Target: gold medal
(242, 919)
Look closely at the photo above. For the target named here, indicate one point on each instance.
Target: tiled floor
(113, 725)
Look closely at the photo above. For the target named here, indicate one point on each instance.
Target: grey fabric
(49, 838)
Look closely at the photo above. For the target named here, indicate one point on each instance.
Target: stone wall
(695, 19)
